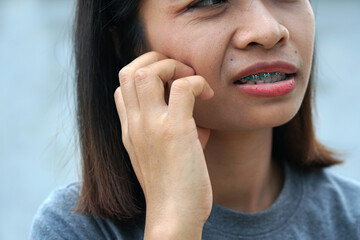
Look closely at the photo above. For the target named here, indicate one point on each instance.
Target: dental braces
(257, 76)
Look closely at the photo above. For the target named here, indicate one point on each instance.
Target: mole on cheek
(296, 51)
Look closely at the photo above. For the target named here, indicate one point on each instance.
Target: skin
(209, 142)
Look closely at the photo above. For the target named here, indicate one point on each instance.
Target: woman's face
(222, 40)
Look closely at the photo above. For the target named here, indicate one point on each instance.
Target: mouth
(265, 73)
(263, 78)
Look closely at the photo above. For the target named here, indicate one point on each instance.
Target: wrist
(172, 230)
(172, 226)
(167, 232)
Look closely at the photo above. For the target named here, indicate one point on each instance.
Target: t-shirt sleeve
(56, 218)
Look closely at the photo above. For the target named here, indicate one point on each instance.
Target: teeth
(264, 78)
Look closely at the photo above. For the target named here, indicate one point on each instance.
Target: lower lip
(276, 89)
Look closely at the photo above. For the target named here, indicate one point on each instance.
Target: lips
(265, 67)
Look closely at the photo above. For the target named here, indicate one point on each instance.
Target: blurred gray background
(37, 142)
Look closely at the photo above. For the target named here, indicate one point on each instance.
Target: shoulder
(335, 187)
(56, 219)
(334, 197)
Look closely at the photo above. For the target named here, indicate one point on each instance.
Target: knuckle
(156, 56)
(117, 92)
(199, 82)
(125, 71)
(199, 78)
(141, 74)
(143, 78)
(171, 61)
(125, 74)
(181, 85)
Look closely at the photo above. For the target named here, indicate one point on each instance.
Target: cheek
(303, 34)
(198, 48)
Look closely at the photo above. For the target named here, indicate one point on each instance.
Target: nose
(261, 28)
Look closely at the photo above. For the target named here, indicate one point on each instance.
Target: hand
(164, 144)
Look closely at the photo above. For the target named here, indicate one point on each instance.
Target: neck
(242, 173)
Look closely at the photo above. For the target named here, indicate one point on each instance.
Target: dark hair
(108, 35)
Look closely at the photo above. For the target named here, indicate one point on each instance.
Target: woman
(216, 138)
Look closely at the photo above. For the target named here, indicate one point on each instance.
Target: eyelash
(205, 3)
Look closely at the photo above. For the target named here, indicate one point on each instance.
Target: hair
(109, 35)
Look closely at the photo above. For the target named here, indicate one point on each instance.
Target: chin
(248, 120)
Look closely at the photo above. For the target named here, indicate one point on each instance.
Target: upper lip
(266, 67)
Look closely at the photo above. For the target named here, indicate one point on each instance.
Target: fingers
(150, 81)
(126, 78)
(142, 87)
(120, 106)
(182, 96)
(142, 82)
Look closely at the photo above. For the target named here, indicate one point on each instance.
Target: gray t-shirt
(311, 205)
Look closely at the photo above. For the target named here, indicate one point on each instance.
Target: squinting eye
(205, 3)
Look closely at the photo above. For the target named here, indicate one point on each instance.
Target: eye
(205, 3)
